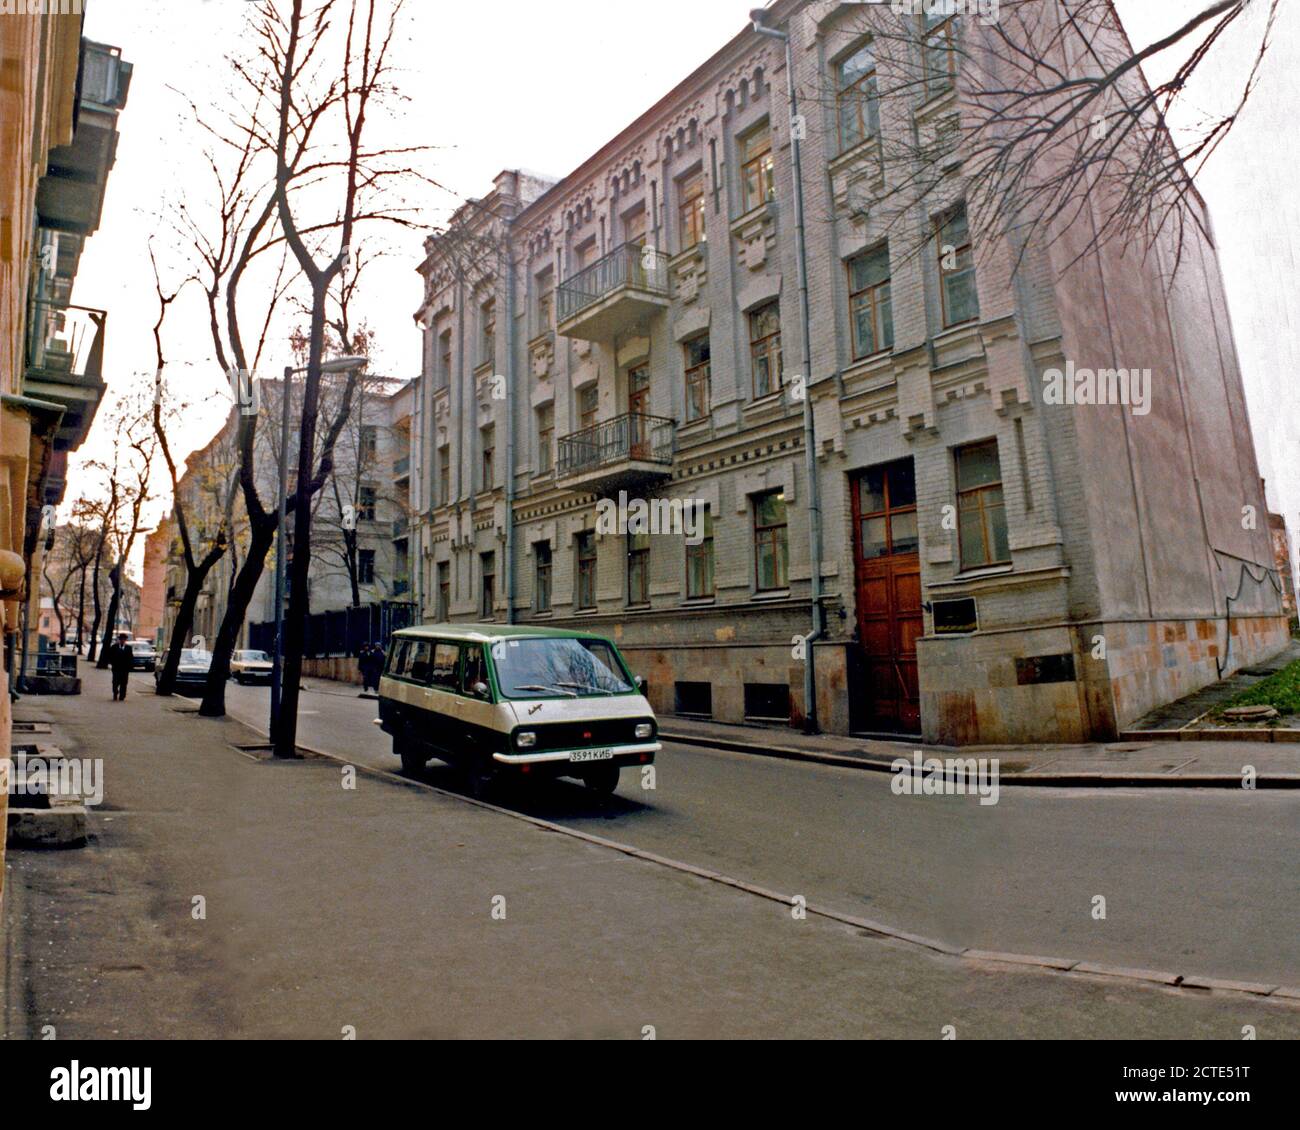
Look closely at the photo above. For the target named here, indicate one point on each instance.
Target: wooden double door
(887, 568)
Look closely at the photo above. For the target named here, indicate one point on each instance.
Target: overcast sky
(516, 83)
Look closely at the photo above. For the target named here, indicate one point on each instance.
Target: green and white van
(505, 701)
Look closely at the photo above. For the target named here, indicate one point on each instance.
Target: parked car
(503, 701)
(143, 655)
(192, 672)
(250, 667)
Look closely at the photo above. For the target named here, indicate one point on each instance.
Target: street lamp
(336, 365)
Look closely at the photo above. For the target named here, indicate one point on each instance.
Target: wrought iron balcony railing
(62, 338)
(632, 266)
(630, 438)
(402, 466)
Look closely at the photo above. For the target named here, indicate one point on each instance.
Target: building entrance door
(887, 567)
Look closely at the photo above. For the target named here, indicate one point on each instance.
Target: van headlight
(525, 739)
(645, 730)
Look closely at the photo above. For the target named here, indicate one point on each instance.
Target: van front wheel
(413, 759)
(602, 779)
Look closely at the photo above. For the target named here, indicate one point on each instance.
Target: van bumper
(623, 755)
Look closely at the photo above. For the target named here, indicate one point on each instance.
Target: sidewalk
(1147, 764)
(223, 895)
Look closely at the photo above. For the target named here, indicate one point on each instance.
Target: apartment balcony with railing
(65, 361)
(628, 451)
(613, 294)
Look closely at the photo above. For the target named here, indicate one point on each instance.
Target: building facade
(612, 426)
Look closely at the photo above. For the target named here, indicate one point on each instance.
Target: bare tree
(1041, 112)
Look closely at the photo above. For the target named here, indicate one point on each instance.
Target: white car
(250, 667)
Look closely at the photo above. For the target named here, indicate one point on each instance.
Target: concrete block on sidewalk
(63, 826)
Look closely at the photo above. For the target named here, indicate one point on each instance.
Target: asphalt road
(1194, 881)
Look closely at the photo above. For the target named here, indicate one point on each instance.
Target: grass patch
(1280, 691)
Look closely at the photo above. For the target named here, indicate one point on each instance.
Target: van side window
(474, 670)
(397, 658)
(446, 657)
(421, 665)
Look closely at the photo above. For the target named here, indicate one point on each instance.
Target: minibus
(506, 702)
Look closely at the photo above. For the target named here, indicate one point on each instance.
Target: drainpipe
(759, 15)
(512, 333)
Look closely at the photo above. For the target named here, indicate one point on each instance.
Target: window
(369, 442)
(488, 447)
(694, 698)
(585, 550)
(446, 667)
(545, 301)
(765, 348)
(365, 567)
(444, 359)
(488, 568)
(771, 548)
(420, 664)
(699, 557)
(542, 580)
(767, 702)
(444, 475)
(697, 377)
(757, 169)
(634, 227)
(397, 658)
(474, 673)
(638, 568)
(545, 438)
(690, 211)
(956, 268)
(444, 591)
(871, 312)
(981, 513)
(366, 499)
(939, 47)
(886, 510)
(588, 406)
(857, 97)
(487, 349)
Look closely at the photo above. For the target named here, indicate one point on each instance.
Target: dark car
(192, 672)
(143, 656)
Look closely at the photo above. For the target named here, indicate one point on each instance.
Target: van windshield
(554, 668)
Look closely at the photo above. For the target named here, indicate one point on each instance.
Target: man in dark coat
(119, 662)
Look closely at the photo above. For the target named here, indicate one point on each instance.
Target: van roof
(488, 633)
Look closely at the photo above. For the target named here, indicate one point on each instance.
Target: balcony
(402, 468)
(614, 294)
(628, 451)
(65, 361)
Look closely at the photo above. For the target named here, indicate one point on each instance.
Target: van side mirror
(481, 689)
(641, 683)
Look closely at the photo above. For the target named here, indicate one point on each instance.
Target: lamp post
(337, 365)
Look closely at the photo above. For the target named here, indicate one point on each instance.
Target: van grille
(584, 735)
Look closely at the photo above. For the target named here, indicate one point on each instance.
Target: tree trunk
(262, 534)
(81, 607)
(94, 627)
(181, 630)
(110, 621)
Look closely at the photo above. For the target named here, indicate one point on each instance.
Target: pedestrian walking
(119, 662)
(371, 662)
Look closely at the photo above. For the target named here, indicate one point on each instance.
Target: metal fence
(342, 631)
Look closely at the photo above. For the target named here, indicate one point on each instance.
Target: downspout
(512, 334)
(758, 15)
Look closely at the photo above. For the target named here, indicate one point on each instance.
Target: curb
(876, 763)
(1279, 734)
(1065, 966)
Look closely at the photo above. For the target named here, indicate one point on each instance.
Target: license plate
(591, 755)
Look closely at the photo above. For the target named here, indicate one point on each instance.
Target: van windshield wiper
(585, 687)
(555, 687)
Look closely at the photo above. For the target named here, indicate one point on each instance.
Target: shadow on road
(556, 799)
